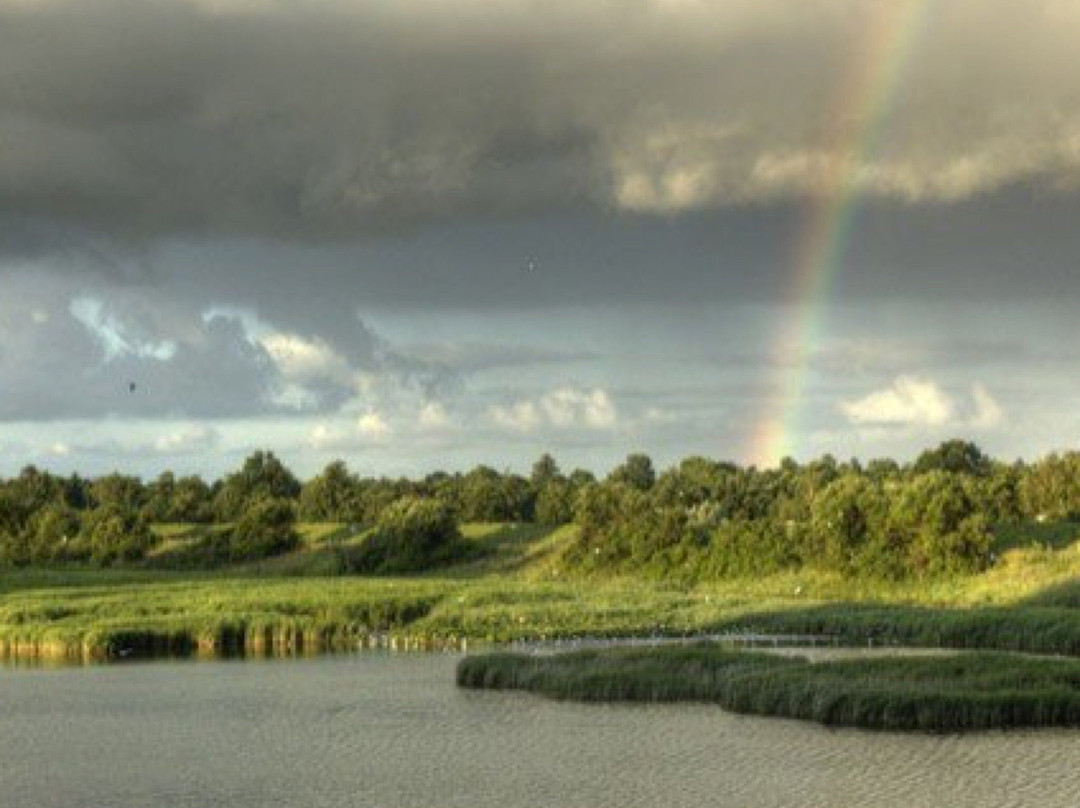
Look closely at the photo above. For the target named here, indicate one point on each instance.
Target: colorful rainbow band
(858, 118)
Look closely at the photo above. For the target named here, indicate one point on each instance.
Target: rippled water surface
(385, 730)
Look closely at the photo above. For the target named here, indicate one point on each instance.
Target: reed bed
(978, 691)
(1028, 629)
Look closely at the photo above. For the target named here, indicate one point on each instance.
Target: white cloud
(656, 415)
(987, 412)
(186, 440)
(307, 365)
(373, 426)
(570, 407)
(291, 396)
(114, 336)
(300, 358)
(522, 416)
(343, 435)
(563, 408)
(909, 401)
(323, 436)
(916, 401)
(433, 417)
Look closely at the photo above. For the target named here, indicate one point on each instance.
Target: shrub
(52, 534)
(738, 548)
(266, 528)
(110, 535)
(554, 503)
(415, 533)
(847, 517)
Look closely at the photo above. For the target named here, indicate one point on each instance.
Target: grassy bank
(514, 588)
(211, 614)
(936, 694)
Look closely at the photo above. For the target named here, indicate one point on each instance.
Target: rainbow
(859, 114)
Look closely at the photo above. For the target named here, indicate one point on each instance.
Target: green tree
(159, 495)
(262, 476)
(621, 525)
(28, 492)
(881, 469)
(848, 522)
(544, 471)
(519, 499)
(1050, 488)
(554, 503)
(636, 471)
(484, 498)
(1000, 494)
(192, 501)
(415, 533)
(579, 478)
(377, 495)
(333, 496)
(266, 528)
(52, 534)
(111, 535)
(956, 456)
(120, 491)
(937, 518)
(696, 480)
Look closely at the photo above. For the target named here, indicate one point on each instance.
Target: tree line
(701, 517)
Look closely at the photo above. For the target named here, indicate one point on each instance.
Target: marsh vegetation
(939, 694)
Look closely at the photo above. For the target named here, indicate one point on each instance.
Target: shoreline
(299, 615)
(264, 644)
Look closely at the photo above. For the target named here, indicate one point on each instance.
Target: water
(392, 731)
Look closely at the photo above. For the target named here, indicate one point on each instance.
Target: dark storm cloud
(135, 120)
(462, 224)
(1012, 246)
(143, 119)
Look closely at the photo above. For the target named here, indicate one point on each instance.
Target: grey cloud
(136, 120)
(55, 368)
(473, 357)
(177, 442)
(221, 374)
(74, 351)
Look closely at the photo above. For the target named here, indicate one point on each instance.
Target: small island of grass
(953, 693)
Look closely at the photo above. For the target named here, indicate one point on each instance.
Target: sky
(428, 234)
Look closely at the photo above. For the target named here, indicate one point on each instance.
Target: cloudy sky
(422, 234)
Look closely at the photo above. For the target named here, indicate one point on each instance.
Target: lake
(392, 730)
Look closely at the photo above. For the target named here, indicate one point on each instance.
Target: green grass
(516, 588)
(937, 694)
(213, 613)
(1039, 630)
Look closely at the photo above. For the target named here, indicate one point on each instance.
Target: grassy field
(936, 694)
(516, 589)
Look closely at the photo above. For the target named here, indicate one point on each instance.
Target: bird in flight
(131, 387)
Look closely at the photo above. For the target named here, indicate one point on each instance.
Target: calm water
(393, 731)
